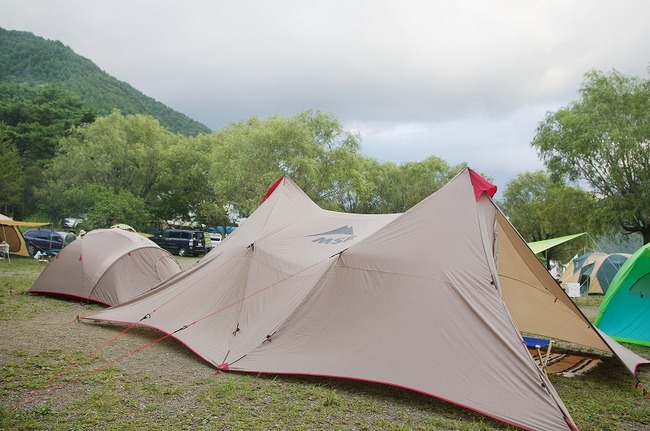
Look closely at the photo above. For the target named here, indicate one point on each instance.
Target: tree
(185, 188)
(10, 175)
(387, 187)
(603, 139)
(130, 156)
(405, 185)
(108, 207)
(541, 208)
(324, 160)
(36, 118)
(33, 120)
(362, 192)
(311, 148)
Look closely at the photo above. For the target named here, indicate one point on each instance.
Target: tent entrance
(641, 287)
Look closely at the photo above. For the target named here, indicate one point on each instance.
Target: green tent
(625, 310)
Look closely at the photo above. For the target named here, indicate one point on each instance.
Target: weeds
(167, 387)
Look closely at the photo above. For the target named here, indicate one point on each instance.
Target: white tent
(432, 300)
(108, 266)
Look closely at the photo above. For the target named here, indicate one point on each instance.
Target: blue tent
(219, 229)
(624, 313)
(593, 271)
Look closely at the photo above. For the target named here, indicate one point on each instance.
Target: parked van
(47, 241)
(181, 241)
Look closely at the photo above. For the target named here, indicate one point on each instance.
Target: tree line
(63, 160)
(60, 159)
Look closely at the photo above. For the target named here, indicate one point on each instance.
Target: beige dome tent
(432, 300)
(108, 266)
(124, 227)
(10, 234)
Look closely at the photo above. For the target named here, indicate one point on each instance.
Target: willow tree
(311, 148)
(409, 183)
(603, 140)
(542, 208)
(132, 158)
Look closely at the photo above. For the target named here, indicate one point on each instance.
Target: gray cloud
(463, 80)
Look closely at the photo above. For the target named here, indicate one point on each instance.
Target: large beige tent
(432, 300)
(108, 266)
(10, 234)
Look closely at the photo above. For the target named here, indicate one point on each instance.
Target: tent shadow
(414, 404)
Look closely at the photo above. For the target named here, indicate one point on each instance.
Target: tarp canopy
(432, 300)
(108, 266)
(540, 246)
(593, 271)
(10, 234)
(624, 312)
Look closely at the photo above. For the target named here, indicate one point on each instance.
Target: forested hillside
(26, 58)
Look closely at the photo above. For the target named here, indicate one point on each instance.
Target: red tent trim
(272, 188)
(481, 185)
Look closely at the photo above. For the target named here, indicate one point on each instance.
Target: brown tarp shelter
(10, 234)
(432, 300)
(108, 266)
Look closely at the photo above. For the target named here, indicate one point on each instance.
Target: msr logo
(336, 236)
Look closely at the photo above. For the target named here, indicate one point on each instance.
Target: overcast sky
(467, 81)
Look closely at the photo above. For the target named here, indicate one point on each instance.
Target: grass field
(100, 378)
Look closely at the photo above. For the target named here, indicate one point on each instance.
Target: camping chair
(4, 251)
(539, 344)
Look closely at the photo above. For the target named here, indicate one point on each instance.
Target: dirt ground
(161, 359)
(134, 356)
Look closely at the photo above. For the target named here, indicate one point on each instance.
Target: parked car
(47, 241)
(181, 241)
(215, 239)
(72, 222)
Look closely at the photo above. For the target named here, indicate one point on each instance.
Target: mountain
(27, 58)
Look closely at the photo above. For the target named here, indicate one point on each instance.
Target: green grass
(167, 387)
(588, 300)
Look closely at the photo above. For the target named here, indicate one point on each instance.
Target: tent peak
(272, 188)
(481, 185)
